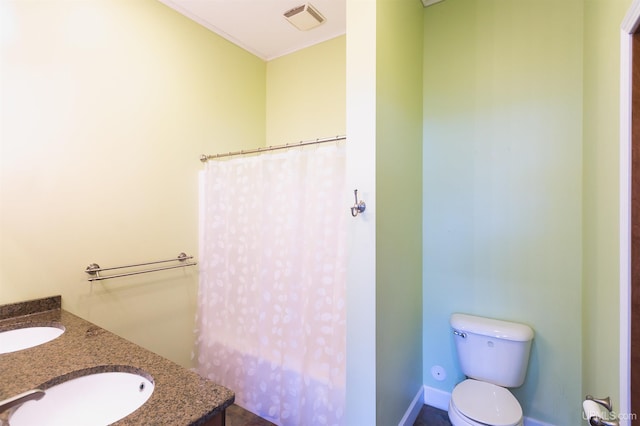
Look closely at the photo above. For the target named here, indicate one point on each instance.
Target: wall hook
(359, 206)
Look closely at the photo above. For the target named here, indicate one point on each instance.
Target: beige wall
(106, 109)
(306, 93)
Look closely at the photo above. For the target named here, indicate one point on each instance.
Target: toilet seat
(485, 404)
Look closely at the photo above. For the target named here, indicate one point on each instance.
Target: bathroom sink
(28, 337)
(96, 398)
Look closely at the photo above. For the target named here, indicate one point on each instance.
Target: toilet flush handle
(458, 333)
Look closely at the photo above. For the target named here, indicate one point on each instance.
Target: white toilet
(494, 355)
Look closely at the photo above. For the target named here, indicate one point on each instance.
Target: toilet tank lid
(491, 327)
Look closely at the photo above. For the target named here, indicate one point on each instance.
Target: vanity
(179, 396)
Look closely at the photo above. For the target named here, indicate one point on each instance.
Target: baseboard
(436, 398)
(411, 415)
(440, 399)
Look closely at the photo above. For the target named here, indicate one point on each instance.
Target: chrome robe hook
(359, 206)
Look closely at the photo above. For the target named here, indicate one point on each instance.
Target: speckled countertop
(181, 397)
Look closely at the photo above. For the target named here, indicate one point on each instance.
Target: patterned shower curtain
(271, 303)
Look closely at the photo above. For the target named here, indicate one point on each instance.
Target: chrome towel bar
(94, 269)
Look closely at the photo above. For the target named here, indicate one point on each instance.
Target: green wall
(384, 102)
(601, 294)
(503, 99)
(399, 214)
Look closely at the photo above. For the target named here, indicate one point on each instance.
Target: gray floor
(430, 416)
(237, 416)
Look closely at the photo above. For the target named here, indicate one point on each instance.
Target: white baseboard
(436, 398)
(411, 415)
(440, 399)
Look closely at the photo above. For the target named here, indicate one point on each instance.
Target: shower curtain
(271, 302)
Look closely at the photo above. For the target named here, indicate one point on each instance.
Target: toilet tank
(492, 350)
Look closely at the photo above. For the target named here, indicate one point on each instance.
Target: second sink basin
(28, 337)
(94, 398)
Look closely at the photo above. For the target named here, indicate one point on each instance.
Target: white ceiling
(259, 26)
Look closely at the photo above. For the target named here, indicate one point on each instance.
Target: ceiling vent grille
(304, 17)
(427, 3)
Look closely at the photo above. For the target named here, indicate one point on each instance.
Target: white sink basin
(94, 399)
(28, 337)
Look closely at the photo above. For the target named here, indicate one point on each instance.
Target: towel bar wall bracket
(94, 269)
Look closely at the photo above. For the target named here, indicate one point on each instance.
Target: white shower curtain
(271, 303)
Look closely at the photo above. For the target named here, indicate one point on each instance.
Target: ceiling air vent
(427, 3)
(304, 17)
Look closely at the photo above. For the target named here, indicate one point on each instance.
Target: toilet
(494, 355)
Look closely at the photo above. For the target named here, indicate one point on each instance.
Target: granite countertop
(181, 397)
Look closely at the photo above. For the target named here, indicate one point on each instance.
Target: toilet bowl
(477, 403)
(493, 355)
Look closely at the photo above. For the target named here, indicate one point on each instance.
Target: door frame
(629, 26)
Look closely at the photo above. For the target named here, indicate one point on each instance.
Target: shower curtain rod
(206, 158)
